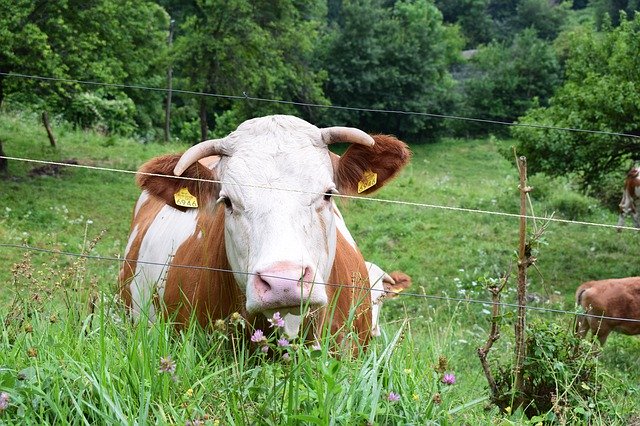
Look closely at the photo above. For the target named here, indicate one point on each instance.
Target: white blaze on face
(279, 228)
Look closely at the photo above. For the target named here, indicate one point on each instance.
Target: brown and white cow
(630, 195)
(264, 212)
(608, 303)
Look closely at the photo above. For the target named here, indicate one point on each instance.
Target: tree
(508, 79)
(600, 93)
(101, 40)
(393, 58)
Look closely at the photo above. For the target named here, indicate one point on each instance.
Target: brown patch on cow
(386, 158)
(165, 188)
(349, 289)
(615, 298)
(146, 214)
(210, 292)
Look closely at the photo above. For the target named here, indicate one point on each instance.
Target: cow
(630, 195)
(247, 224)
(607, 304)
(383, 286)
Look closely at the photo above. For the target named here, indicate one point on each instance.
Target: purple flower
(4, 401)
(258, 336)
(283, 342)
(393, 397)
(286, 357)
(265, 349)
(167, 365)
(276, 320)
(448, 379)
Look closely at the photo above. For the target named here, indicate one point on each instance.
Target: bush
(92, 111)
(560, 375)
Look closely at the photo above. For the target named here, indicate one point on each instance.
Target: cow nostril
(261, 284)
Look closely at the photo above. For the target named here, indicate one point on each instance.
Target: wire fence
(245, 96)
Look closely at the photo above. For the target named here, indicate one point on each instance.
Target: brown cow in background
(608, 303)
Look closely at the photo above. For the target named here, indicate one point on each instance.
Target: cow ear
(401, 281)
(151, 177)
(365, 169)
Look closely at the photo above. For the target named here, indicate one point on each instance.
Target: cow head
(276, 178)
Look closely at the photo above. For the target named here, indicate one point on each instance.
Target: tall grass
(69, 355)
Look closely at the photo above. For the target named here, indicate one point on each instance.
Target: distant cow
(264, 212)
(630, 195)
(613, 298)
(383, 286)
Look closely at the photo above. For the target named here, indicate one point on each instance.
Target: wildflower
(393, 397)
(448, 379)
(316, 346)
(286, 357)
(265, 349)
(407, 371)
(416, 397)
(220, 325)
(437, 399)
(4, 401)
(283, 342)
(32, 352)
(167, 365)
(258, 336)
(189, 393)
(276, 320)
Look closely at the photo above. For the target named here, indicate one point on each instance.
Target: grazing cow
(613, 298)
(630, 194)
(383, 286)
(264, 211)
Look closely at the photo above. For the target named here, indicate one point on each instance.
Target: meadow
(68, 355)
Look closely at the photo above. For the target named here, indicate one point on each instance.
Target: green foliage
(90, 111)
(561, 380)
(399, 63)
(506, 80)
(599, 93)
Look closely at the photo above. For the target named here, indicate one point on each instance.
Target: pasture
(58, 364)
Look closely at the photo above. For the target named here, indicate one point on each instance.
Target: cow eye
(329, 193)
(227, 202)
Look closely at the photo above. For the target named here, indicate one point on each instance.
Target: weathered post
(523, 264)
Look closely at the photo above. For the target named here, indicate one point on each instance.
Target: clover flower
(258, 336)
(283, 342)
(167, 365)
(276, 320)
(393, 397)
(448, 379)
(4, 401)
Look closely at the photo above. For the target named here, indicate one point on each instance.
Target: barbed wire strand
(341, 285)
(344, 196)
(245, 96)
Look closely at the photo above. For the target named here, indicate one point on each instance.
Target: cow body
(266, 236)
(630, 195)
(615, 299)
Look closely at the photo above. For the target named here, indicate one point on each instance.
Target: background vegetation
(90, 65)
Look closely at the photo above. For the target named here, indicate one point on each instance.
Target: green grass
(96, 369)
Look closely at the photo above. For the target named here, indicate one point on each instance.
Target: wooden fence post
(523, 264)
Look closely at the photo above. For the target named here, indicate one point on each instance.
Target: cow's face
(276, 180)
(280, 235)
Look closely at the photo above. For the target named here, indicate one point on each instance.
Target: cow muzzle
(286, 285)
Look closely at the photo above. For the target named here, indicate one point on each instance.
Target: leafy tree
(600, 92)
(476, 25)
(508, 79)
(608, 11)
(261, 48)
(544, 16)
(393, 58)
(101, 40)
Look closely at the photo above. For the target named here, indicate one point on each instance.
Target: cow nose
(283, 285)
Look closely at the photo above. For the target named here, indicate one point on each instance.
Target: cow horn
(346, 134)
(196, 152)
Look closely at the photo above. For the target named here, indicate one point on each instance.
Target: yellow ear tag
(368, 180)
(397, 290)
(184, 198)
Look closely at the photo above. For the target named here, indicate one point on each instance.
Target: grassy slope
(444, 251)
